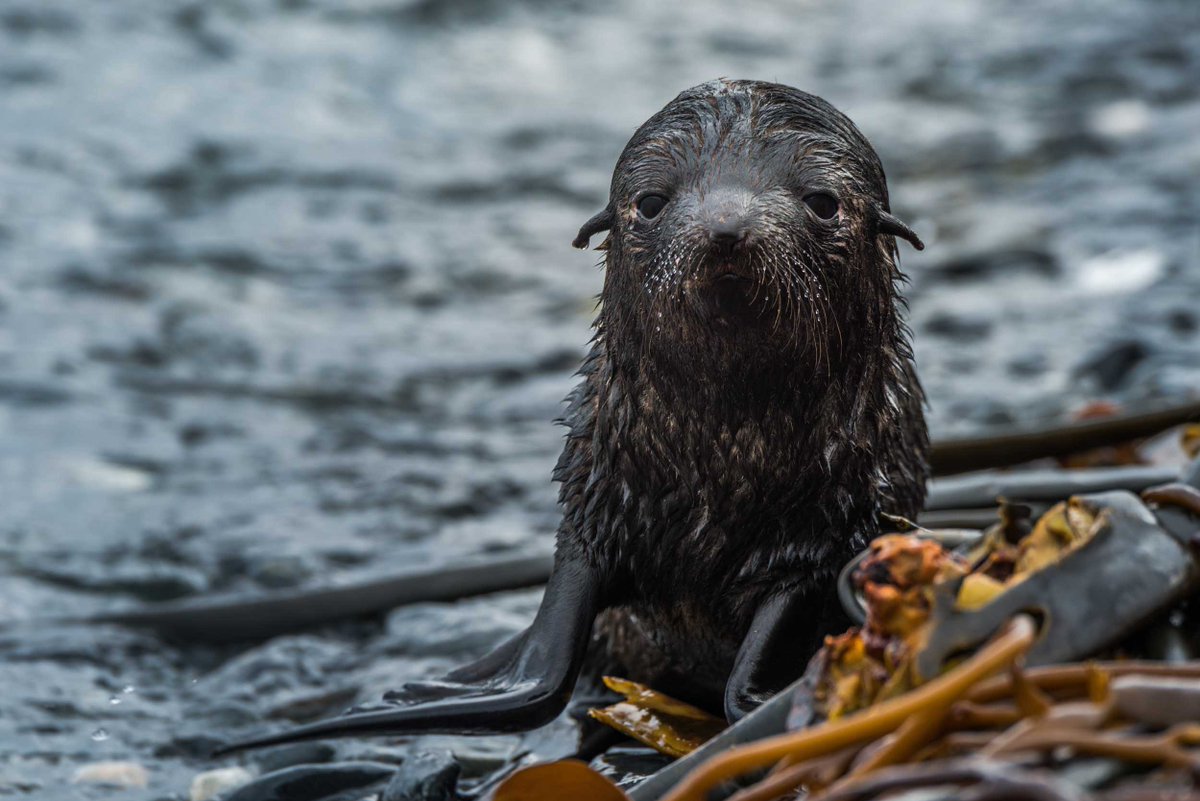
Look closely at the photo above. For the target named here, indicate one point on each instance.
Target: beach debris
(124, 774)
(212, 783)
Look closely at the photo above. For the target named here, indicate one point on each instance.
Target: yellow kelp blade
(668, 726)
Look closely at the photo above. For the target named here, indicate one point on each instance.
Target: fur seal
(747, 412)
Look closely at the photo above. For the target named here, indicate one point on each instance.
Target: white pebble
(115, 774)
(212, 783)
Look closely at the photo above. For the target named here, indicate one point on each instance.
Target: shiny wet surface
(287, 298)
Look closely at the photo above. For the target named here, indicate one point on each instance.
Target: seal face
(743, 235)
(749, 406)
(747, 410)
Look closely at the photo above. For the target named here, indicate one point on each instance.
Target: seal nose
(726, 218)
(728, 233)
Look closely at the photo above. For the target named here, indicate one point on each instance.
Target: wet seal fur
(747, 413)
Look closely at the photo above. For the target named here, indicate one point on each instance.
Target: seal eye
(823, 204)
(651, 205)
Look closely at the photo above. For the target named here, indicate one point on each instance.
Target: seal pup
(746, 414)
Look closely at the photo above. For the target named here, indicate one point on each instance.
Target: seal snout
(726, 219)
(725, 222)
(728, 234)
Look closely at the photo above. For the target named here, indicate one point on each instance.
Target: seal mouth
(732, 296)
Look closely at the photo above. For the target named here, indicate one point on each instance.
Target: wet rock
(112, 774)
(281, 572)
(192, 333)
(1028, 365)
(627, 764)
(957, 326)
(298, 754)
(985, 412)
(1111, 365)
(1183, 321)
(993, 264)
(229, 715)
(33, 21)
(77, 278)
(315, 782)
(189, 746)
(213, 783)
(479, 757)
(144, 581)
(425, 776)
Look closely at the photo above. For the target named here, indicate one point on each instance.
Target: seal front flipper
(525, 683)
(489, 668)
(787, 629)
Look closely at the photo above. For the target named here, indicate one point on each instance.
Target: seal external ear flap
(601, 222)
(894, 227)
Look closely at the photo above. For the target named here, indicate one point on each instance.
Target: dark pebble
(314, 782)
(1111, 365)
(957, 326)
(1028, 365)
(1182, 321)
(425, 776)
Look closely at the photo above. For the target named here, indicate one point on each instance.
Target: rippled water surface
(287, 297)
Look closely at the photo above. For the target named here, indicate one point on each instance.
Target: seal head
(749, 225)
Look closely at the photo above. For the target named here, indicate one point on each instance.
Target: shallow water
(287, 297)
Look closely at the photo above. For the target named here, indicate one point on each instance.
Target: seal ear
(893, 226)
(601, 222)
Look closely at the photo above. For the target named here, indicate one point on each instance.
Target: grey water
(287, 299)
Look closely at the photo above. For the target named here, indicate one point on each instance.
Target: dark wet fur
(746, 414)
(710, 462)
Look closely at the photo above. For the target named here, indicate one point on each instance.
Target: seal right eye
(651, 205)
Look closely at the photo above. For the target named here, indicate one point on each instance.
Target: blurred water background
(287, 298)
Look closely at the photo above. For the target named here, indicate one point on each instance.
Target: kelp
(871, 663)
(833, 736)
(1018, 445)
(242, 618)
(566, 779)
(976, 725)
(902, 579)
(668, 726)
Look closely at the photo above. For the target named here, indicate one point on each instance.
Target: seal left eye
(823, 204)
(650, 206)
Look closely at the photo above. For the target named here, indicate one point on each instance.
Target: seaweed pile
(1040, 659)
